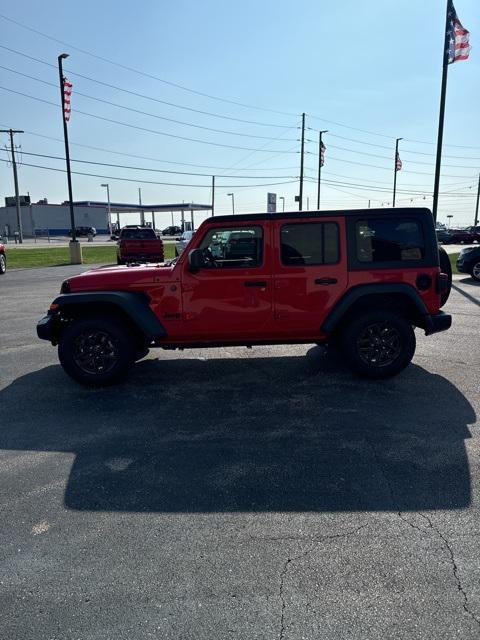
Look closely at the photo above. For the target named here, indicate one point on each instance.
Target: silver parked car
(182, 242)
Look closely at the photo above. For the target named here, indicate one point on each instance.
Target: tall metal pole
(62, 57)
(282, 198)
(478, 199)
(109, 213)
(302, 149)
(395, 170)
(369, 204)
(232, 195)
(11, 132)
(319, 165)
(213, 195)
(142, 213)
(441, 116)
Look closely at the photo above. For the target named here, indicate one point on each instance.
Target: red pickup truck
(139, 244)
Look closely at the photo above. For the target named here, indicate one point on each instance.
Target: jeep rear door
(310, 273)
(231, 297)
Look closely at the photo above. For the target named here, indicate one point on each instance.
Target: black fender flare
(134, 304)
(356, 293)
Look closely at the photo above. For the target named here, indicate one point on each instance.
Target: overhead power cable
(169, 184)
(146, 113)
(149, 169)
(147, 130)
(145, 96)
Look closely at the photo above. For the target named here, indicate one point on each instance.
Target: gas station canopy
(118, 207)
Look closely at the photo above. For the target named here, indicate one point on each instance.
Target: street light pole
(109, 211)
(142, 213)
(283, 202)
(75, 254)
(450, 216)
(232, 195)
(213, 195)
(15, 181)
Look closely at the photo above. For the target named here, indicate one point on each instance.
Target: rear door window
(309, 243)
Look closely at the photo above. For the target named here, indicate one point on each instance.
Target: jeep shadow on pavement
(247, 434)
(361, 280)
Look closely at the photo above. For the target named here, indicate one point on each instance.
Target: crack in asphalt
(446, 544)
(304, 553)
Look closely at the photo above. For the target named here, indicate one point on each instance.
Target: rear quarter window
(387, 240)
(137, 234)
(309, 243)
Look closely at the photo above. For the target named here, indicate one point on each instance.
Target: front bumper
(45, 328)
(436, 322)
(462, 266)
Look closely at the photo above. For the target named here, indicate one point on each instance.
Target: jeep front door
(310, 267)
(230, 297)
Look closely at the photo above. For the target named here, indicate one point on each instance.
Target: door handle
(326, 281)
(255, 283)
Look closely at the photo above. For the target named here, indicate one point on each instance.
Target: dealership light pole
(283, 202)
(15, 181)
(232, 195)
(109, 212)
(213, 195)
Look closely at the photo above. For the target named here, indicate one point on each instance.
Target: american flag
(322, 154)
(67, 98)
(398, 162)
(458, 37)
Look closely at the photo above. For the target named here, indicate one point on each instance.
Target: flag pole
(441, 117)
(75, 250)
(395, 170)
(320, 133)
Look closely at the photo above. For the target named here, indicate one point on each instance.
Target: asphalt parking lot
(236, 493)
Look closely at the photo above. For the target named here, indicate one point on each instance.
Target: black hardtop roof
(383, 212)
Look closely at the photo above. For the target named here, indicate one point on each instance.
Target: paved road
(236, 493)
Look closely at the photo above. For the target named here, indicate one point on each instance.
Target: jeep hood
(119, 278)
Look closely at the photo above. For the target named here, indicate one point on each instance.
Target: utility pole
(213, 195)
(142, 213)
(302, 150)
(396, 168)
(11, 132)
(320, 164)
(478, 198)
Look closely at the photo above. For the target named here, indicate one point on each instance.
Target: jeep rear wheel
(378, 344)
(446, 267)
(96, 351)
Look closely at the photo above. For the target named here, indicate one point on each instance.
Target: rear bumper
(45, 328)
(436, 322)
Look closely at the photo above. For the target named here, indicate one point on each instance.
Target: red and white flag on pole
(398, 162)
(458, 37)
(67, 99)
(322, 154)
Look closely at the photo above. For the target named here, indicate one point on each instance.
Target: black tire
(141, 352)
(378, 344)
(96, 351)
(475, 271)
(446, 267)
(3, 264)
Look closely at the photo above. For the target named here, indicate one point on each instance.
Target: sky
(218, 88)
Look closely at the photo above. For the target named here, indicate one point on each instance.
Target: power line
(132, 126)
(147, 97)
(143, 73)
(150, 169)
(169, 184)
(146, 113)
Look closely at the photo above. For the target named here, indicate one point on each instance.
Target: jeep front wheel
(3, 264)
(96, 351)
(378, 344)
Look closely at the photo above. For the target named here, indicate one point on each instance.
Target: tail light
(442, 283)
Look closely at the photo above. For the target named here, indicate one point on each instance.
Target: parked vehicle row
(361, 280)
(459, 236)
(468, 261)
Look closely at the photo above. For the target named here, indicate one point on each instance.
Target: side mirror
(196, 259)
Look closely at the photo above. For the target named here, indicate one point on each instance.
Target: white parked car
(182, 242)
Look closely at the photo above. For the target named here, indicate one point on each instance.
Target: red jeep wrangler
(363, 279)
